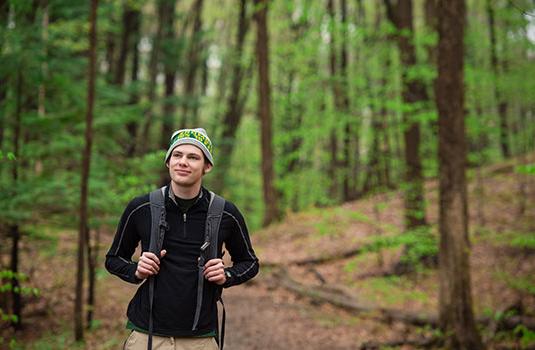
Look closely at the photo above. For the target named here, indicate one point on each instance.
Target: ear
(207, 167)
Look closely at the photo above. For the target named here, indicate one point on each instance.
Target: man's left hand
(214, 271)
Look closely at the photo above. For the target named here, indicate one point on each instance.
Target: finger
(144, 272)
(162, 253)
(151, 256)
(218, 267)
(148, 263)
(214, 272)
(217, 279)
(213, 262)
(148, 268)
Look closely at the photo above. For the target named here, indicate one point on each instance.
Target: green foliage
(528, 169)
(527, 336)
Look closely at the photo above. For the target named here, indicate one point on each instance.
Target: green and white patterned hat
(196, 137)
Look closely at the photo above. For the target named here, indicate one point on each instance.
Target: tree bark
(333, 69)
(4, 14)
(153, 74)
(14, 229)
(348, 177)
(128, 24)
(132, 126)
(235, 102)
(86, 162)
(413, 93)
(502, 104)
(271, 211)
(191, 99)
(169, 63)
(455, 296)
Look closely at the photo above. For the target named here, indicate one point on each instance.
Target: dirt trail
(257, 318)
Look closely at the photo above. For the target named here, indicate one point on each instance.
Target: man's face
(187, 165)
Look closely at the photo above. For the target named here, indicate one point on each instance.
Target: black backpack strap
(157, 233)
(209, 249)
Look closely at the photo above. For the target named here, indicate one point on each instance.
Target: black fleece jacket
(175, 294)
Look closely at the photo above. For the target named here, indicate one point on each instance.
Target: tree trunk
(413, 92)
(170, 62)
(14, 229)
(128, 24)
(132, 126)
(86, 162)
(271, 212)
(191, 99)
(502, 104)
(235, 102)
(350, 155)
(41, 110)
(4, 15)
(455, 296)
(153, 74)
(333, 69)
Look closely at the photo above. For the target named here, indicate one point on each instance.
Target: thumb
(162, 253)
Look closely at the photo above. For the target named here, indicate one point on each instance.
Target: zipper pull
(184, 216)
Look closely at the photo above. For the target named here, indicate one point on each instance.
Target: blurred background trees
(336, 104)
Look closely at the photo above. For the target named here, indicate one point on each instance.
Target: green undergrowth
(390, 291)
(510, 238)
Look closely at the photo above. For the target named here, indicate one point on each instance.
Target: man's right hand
(148, 264)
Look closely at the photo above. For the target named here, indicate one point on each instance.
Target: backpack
(208, 250)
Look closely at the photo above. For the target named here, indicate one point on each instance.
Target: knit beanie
(196, 137)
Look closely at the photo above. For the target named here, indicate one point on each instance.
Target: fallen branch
(319, 259)
(347, 302)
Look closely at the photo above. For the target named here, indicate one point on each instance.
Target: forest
(382, 153)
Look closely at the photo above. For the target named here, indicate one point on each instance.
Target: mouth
(182, 172)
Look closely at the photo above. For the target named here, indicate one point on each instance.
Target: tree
(455, 298)
(271, 212)
(190, 99)
(413, 93)
(84, 225)
(235, 101)
(502, 104)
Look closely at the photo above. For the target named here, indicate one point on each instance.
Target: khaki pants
(138, 341)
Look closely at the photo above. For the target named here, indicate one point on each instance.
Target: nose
(182, 161)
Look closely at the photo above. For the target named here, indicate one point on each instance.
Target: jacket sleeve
(119, 257)
(244, 261)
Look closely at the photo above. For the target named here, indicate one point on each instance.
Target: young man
(176, 272)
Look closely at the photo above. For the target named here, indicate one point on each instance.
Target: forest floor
(264, 314)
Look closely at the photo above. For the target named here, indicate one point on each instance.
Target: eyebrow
(187, 154)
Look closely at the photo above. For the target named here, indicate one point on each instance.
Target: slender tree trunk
(414, 92)
(86, 162)
(271, 213)
(14, 229)
(350, 155)
(132, 126)
(4, 14)
(455, 297)
(170, 62)
(191, 99)
(128, 24)
(41, 110)
(235, 102)
(153, 73)
(333, 68)
(502, 104)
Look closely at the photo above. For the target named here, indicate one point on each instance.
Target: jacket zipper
(184, 216)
